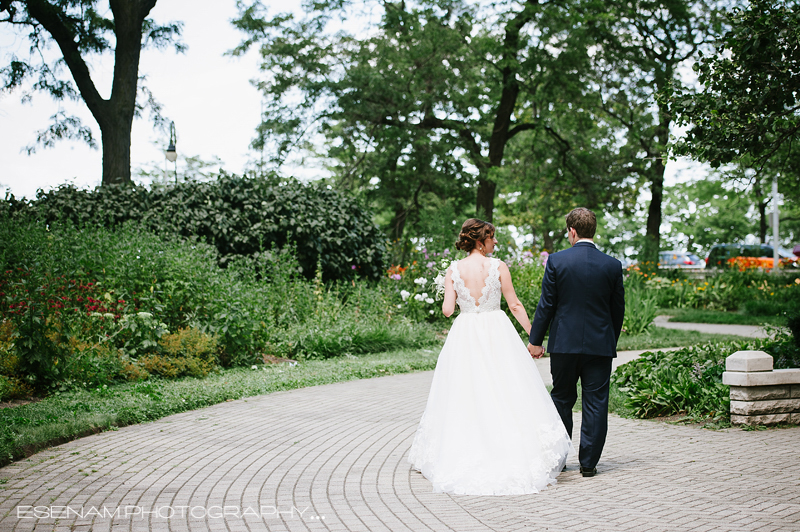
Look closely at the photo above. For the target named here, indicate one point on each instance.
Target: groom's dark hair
(583, 221)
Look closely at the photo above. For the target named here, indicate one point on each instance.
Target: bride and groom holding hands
(489, 426)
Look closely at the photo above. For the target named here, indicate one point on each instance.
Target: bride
(490, 427)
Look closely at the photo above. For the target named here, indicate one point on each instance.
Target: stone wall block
(777, 377)
(774, 406)
(794, 417)
(796, 390)
(748, 361)
(761, 393)
(767, 419)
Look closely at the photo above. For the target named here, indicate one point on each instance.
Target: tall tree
(749, 105)
(80, 29)
(458, 75)
(573, 159)
(641, 46)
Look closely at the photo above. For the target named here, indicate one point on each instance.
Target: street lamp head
(172, 154)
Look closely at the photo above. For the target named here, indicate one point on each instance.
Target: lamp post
(775, 221)
(171, 154)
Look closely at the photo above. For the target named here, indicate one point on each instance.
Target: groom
(583, 304)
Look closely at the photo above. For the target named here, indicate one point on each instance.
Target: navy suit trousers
(594, 371)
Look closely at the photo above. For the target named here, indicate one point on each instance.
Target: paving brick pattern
(334, 458)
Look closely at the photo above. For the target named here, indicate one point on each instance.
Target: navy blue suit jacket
(582, 302)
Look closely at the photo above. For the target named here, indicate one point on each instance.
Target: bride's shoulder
(500, 265)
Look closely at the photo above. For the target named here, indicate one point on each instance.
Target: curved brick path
(291, 458)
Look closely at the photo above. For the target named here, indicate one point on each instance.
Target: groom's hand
(536, 351)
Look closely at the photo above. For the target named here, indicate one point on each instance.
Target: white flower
(424, 295)
(404, 294)
(420, 281)
(253, 367)
(399, 306)
(419, 297)
(429, 301)
(430, 311)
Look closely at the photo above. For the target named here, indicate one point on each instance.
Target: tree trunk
(116, 154)
(115, 115)
(653, 234)
(548, 242)
(762, 211)
(485, 199)
(652, 241)
(505, 109)
(398, 223)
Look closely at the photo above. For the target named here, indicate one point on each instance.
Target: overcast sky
(208, 95)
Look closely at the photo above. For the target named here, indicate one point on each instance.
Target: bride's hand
(536, 351)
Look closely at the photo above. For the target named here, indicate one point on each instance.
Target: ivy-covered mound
(237, 215)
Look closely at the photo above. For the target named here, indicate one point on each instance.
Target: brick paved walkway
(333, 458)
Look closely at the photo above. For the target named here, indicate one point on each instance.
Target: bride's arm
(514, 304)
(449, 303)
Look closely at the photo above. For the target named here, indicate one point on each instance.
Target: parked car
(726, 255)
(679, 259)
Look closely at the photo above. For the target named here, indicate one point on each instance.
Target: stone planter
(761, 395)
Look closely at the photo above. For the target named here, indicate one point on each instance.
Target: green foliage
(428, 100)
(661, 337)
(705, 212)
(239, 216)
(640, 311)
(687, 381)
(93, 306)
(757, 292)
(729, 118)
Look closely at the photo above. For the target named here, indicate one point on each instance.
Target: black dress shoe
(588, 471)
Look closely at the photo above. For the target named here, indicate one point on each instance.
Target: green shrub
(6, 388)
(172, 367)
(356, 338)
(108, 297)
(687, 381)
(640, 311)
(756, 307)
(190, 342)
(238, 216)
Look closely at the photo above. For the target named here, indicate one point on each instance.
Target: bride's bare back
(474, 270)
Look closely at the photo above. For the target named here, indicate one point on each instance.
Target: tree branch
(48, 16)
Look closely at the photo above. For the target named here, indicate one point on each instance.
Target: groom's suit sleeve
(618, 305)
(546, 308)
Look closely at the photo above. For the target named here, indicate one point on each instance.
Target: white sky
(208, 95)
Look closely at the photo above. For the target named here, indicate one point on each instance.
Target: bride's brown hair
(472, 232)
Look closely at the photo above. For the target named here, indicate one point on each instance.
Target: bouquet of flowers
(438, 281)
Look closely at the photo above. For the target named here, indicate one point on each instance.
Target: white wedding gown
(490, 427)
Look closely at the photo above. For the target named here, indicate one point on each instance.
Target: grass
(688, 315)
(29, 428)
(657, 337)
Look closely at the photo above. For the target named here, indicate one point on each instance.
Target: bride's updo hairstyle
(472, 232)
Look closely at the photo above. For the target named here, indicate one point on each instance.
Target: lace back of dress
(490, 294)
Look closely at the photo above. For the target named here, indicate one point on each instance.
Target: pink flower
(395, 276)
